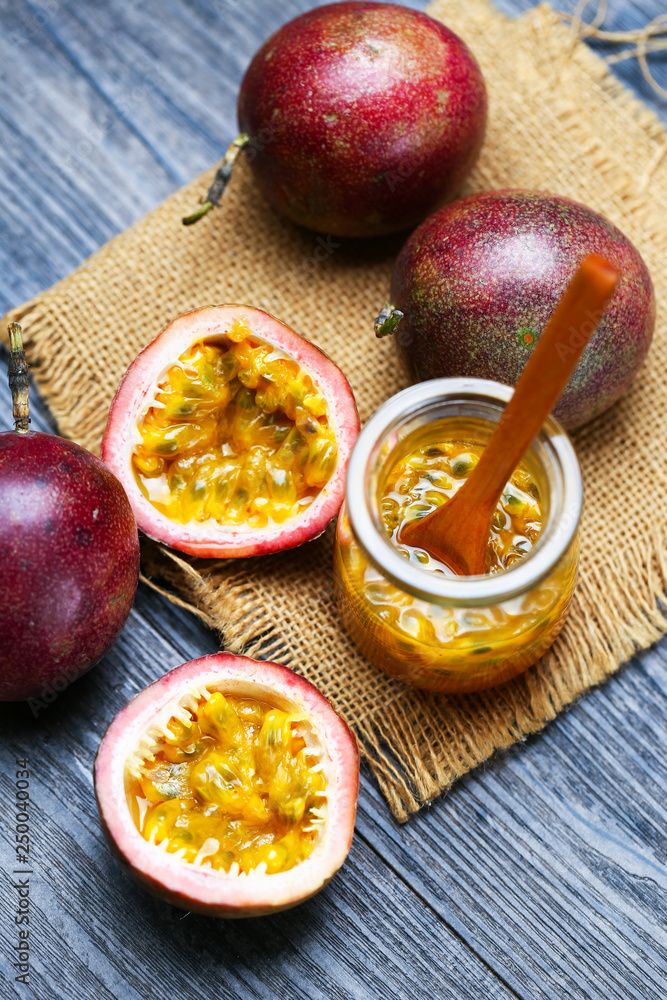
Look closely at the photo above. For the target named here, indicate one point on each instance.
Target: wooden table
(541, 875)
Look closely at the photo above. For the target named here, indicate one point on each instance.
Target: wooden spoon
(457, 533)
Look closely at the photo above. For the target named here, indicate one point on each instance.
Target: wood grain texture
(541, 876)
(551, 863)
(97, 934)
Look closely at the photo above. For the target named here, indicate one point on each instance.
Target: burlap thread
(558, 122)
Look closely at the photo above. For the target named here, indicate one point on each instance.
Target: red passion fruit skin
(210, 539)
(478, 281)
(207, 891)
(362, 117)
(70, 554)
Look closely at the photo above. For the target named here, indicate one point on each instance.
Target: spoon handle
(543, 379)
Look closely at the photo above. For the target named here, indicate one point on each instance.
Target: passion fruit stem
(221, 179)
(17, 374)
(387, 320)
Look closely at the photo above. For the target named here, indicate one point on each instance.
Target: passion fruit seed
(229, 783)
(237, 433)
(225, 426)
(427, 477)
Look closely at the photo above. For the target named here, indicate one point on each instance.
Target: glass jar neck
(476, 400)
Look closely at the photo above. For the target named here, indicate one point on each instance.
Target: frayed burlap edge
(413, 760)
(417, 744)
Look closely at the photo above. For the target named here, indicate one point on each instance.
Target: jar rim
(555, 539)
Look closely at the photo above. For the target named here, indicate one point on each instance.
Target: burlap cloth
(559, 122)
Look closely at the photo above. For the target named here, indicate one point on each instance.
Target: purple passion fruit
(478, 281)
(358, 119)
(69, 550)
(229, 787)
(231, 435)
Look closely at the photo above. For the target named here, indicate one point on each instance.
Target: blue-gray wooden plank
(542, 875)
(95, 934)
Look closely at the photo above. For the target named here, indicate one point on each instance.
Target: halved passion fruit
(231, 434)
(229, 787)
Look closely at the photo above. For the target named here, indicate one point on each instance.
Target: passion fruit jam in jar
(409, 613)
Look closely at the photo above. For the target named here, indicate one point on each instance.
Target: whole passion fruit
(69, 550)
(478, 281)
(229, 787)
(231, 434)
(358, 119)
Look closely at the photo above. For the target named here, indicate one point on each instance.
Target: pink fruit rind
(210, 539)
(205, 890)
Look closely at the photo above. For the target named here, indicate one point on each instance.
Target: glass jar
(428, 628)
